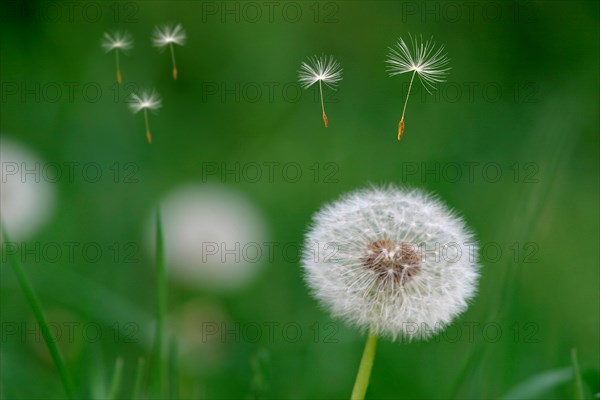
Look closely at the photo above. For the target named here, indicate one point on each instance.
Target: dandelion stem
(40, 318)
(173, 60)
(401, 125)
(148, 135)
(364, 370)
(325, 119)
(119, 77)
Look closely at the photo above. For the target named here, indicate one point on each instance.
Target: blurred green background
(521, 98)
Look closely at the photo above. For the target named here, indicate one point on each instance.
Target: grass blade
(117, 378)
(173, 370)
(538, 386)
(526, 216)
(577, 381)
(40, 318)
(260, 365)
(139, 377)
(161, 307)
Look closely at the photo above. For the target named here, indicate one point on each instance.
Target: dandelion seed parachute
(396, 262)
(146, 100)
(324, 70)
(422, 59)
(168, 35)
(118, 41)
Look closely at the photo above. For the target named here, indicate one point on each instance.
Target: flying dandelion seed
(118, 41)
(422, 59)
(146, 100)
(323, 70)
(168, 35)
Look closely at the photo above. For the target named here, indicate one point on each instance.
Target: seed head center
(392, 261)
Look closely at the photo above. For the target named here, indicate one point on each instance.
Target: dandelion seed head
(146, 99)
(26, 203)
(394, 261)
(325, 69)
(168, 34)
(429, 63)
(117, 40)
(201, 223)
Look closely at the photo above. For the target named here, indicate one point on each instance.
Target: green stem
(408, 94)
(173, 60)
(322, 101)
(41, 319)
(118, 66)
(148, 134)
(325, 119)
(364, 370)
(146, 120)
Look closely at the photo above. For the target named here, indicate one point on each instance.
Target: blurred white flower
(146, 100)
(422, 59)
(396, 262)
(211, 235)
(168, 35)
(323, 70)
(117, 41)
(26, 196)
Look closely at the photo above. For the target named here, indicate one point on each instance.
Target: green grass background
(550, 51)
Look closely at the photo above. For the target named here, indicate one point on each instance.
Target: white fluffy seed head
(394, 261)
(168, 34)
(146, 99)
(324, 69)
(421, 57)
(117, 40)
